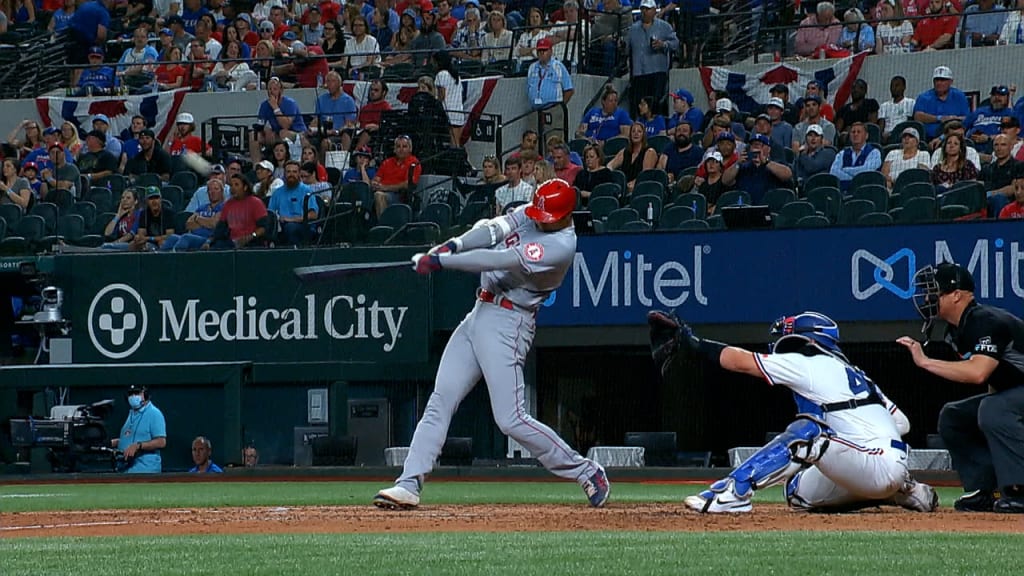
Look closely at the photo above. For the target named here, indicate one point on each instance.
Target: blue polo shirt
(545, 84)
(287, 202)
(87, 18)
(42, 159)
(928, 102)
(143, 425)
(289, 107)
(605, 127)
(213, 469)
(341, 109)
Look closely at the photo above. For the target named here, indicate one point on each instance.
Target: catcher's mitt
(666, 333)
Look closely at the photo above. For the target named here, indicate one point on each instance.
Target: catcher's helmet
(552, 201)
(805, 328)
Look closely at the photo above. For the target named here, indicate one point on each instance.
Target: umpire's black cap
(952, 277)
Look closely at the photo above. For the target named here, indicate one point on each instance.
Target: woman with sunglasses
(33, 137)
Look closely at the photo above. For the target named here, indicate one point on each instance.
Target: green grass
(43, 497)
(522, 554)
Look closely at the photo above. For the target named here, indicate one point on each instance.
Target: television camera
(74, 436)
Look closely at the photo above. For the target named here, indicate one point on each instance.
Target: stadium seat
(473, 212)
(813, 221)
(875, 219)
(607, 189)
(732, 198)
(970, 194)
(11, 213)
(693, 225)
(187, 181)
(63, 199)
(953, 211)
(648, 188)
(578, 145)
(827, 201)
(648, 206)
(438, 213)
(776, 198)
(602, 206)
(864, 179)
(791, 213)
(635, 226)
(512, 206)
(715, 222)
(909, 177)
(176, 196)
(916, 190)
(620, 179)
(822, 180)
(49, 213)
(619, 218)
(70, 229)
(874, 133)
(919, 209)
(652, 175)
(148, 179)
(851, 210)
(116, 183)
(103, 199)
(675, 216)
(613, 146)
(393, 218)
(659, 143)
(334, 175)
(877, 195)
(181, 221)
(25, 237)
(696, 201)
(99, 225)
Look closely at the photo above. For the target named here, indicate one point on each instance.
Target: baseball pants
(850, 473)
(985, 438)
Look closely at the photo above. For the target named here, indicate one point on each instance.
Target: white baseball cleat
(917, 496)
(396, 498)
(721, 498)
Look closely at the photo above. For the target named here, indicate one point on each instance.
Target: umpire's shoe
(597, 488)
(1009, 505)
(396, 498)
(977, 501)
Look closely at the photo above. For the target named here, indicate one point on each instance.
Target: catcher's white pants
(849, 473)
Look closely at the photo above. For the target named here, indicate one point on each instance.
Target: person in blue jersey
(143, 435)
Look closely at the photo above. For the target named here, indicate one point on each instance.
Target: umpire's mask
(931, 282)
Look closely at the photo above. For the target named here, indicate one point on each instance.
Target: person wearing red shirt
(182, 137)
(396, 176)
(1015, 209)
(245, 216)
(277, 19)
(245, 32)
(935, 31)
(446, 23)
(376, 104)
(329, 11)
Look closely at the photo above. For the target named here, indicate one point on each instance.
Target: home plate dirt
(503, 518)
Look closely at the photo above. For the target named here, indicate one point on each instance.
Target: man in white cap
(724, 109)
(940, 104)
(182, 138)
(814, 157)
(782, 131)
(650, 45)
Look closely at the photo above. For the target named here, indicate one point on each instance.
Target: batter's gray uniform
(518, 271)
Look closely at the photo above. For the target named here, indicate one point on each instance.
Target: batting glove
(426, 263)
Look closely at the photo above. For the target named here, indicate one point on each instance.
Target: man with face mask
(143, 435)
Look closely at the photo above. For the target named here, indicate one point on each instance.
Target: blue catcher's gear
(814, 328)
(802, 444)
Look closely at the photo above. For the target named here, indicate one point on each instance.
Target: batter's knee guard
(802, 444)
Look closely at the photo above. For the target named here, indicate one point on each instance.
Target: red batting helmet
(552, 201)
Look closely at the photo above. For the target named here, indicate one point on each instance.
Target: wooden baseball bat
(335, 271)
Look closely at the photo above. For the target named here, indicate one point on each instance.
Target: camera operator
(143, 435)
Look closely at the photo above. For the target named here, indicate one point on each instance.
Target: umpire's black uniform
(985, 434)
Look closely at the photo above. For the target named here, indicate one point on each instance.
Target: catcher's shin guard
(802, 444)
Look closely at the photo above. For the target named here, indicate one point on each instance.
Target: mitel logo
(989, 262)
(626, 277)
(118, 321)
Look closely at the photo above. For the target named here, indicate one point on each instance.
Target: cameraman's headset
(135, 389)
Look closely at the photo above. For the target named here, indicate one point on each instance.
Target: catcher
(842, 452)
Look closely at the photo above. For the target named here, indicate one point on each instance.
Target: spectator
(449, 92)
(565, 34)
(529, 159)
(182, 138)
(469, 37)
(231, 34)
(250, 456)
(171, 75)
(309, 156)
(363, 171)
(429, 39)
(998, 175)
(204, 33)
(61, 19)
(950, 128)
(263, 62)
(609, 26)
(266, 182)
(151, 160)
(231, 74)
(711, 186)
(130, 140)
(908, 156)
(363, 46)
(790, 112)
(313, 29)
(684, 111)
(277, 18)
(606, 121)
(515, 188)
(952, 165)
(98, 78)
(113, 145)
(308, 176)
(40, 151)
(936, 30)
(143, 435)
(636, 157)
(335, 110)
(201, 449)
(154, 224)
(166, 42)
(554, 140)
(542, 172)
(30, 172)
(69, 138)
(564, 169)
(244, 216)
(15, 189)
(89, 27)
(812, 116)
(397, 176)
(403, 39)
(280, 113)
(548, 81)
(280, 154)
(594, 171)
(781, 131)
(814, 157)
(33, 138)
(1013, 27)
(681, 155)
(201, 197)
(137, 64)
(856, 35)
(983, 124)
(288, 202)
(816, 88)
(894, 32)
(818, 30)
(201, 67)
(860, 109)
(96, 162)
(333, 45)
(1011, 127)
(64, 175)
(497, 43)
(1015, 209)
(118, 231)
(757, 173)
(379, 26)
(526, 46)
(983, 21)
(446, 23)
(199, 227)
(491, 171)
(724, 114)
(654, 124)
(529, 141)
(860, 156)
(431, 129)
(181, 38)
(650, 45)
(191, 11)
(376, 104)
(897, 110)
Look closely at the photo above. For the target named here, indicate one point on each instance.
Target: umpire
(985, 433)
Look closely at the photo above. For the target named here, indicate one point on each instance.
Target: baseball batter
(843, 450)
(521, 257)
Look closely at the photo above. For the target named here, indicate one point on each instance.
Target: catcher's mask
(795, 332)
(931, 282)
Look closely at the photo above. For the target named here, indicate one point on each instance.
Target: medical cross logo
(888, 274)
(117, 321)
